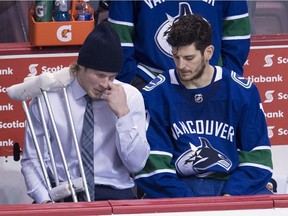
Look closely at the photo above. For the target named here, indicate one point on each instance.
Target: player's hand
(116, 99)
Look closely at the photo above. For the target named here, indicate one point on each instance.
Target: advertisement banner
(13, 70)
(267, 67)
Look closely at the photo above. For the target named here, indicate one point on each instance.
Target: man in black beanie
(116, 119)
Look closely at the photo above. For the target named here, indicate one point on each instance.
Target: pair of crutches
(34, 87)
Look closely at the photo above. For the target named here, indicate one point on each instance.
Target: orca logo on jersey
(160, 40)
(199, 159)
(155, 82)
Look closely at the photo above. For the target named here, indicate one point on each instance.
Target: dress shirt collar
(77, 90)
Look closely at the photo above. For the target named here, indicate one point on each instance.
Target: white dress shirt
(120, 145)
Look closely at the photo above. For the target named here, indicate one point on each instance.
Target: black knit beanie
(102, 50)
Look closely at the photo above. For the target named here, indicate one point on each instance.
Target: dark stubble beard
(198, 75)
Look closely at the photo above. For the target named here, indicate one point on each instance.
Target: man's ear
(208, 53)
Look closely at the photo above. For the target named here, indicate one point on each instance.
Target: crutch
(36, 144)
(77, 182)
(33, 88)
(60, 191)
(82, 172)
(47, 140)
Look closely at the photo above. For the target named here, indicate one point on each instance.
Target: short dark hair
(189, 29)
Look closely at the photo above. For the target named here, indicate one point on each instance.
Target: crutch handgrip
(32, 86)
(63, 190)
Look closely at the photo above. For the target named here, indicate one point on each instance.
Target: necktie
(87, 146)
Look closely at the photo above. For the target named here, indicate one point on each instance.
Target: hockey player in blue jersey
(140, 25)
(206, 126)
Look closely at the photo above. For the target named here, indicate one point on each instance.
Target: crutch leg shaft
(76, 144)
(36, 144)
(50, 113)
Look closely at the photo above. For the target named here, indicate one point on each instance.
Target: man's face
(190, 63)
(94, 82)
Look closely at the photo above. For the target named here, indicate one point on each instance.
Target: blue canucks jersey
(141, 26)
(218, 131)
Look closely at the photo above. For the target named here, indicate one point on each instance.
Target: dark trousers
(104, 192)
(212, 187)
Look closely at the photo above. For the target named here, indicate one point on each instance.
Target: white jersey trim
(155, 173)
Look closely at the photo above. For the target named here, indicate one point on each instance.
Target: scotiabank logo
(3, 89)
(279, 131)
(246, 62)
(265, 79)
(282, 96)
(268, 60)
(32, 69)
(64, 33)
(6, 107)
(5, 143)
(270, 131)
(282, 60)
(282, 132)
(276, 114)
(269, 96)
(6, 71)
(13, 124)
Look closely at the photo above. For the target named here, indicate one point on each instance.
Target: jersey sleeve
(121, 16)
(255, 162)
(158, 179)
(235, 35)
